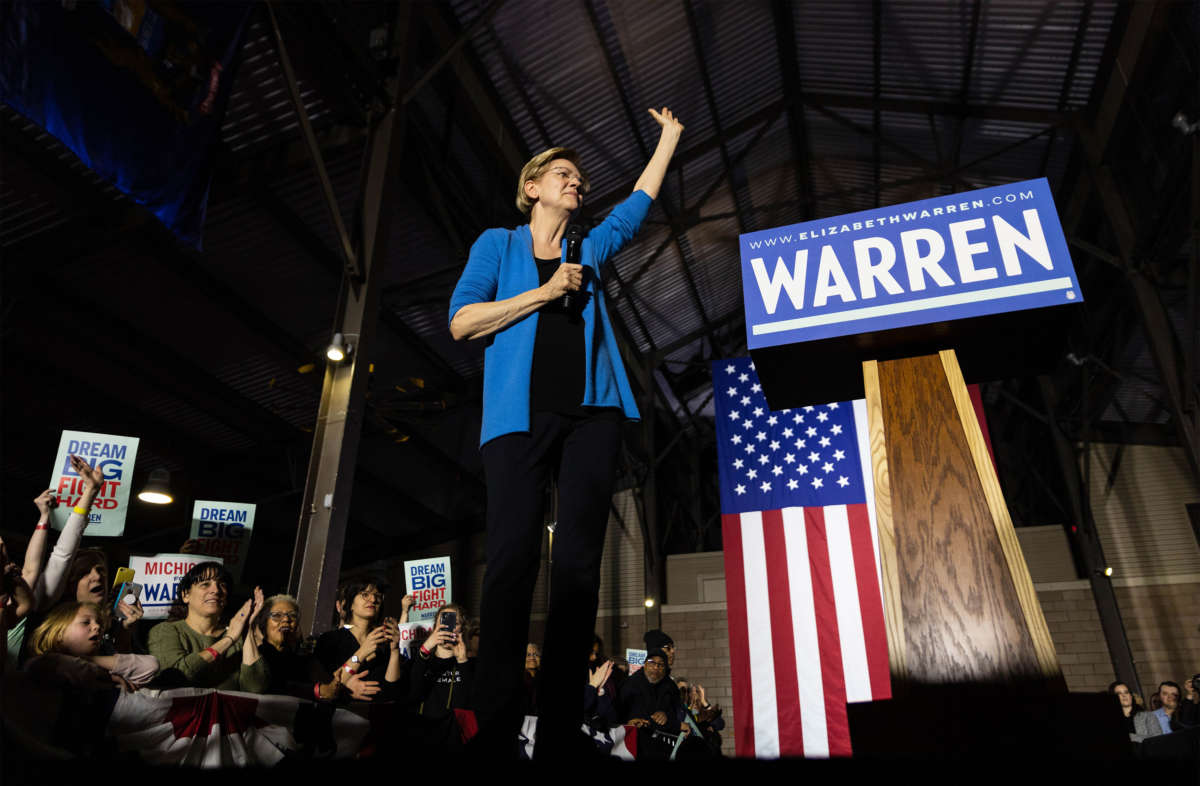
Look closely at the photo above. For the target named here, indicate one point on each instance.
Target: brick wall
(1162, 620)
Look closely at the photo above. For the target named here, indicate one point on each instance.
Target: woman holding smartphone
(365, 644)
(442, 674)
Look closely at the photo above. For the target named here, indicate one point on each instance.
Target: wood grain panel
(963, 620)
(1035, 623)
(893, 613)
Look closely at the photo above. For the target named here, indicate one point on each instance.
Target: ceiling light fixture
(157, 490)
(338, 348)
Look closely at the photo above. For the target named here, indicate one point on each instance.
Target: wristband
(80, 511)
(216, 655)
(317, 691)
(40, 527)
(425, 650)
(348, 669)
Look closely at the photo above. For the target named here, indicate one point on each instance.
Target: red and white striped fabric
(198, 727)
(803, 588)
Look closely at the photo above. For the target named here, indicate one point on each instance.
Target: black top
(293, 673)
(441, 685)
(557, 380)
(641, 699)
(335, 647)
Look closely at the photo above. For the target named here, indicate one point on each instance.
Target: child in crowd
(66, 647)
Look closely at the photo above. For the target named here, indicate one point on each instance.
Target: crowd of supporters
(1171, 709)
(64, 631)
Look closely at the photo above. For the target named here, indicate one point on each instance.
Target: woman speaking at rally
(554, 395)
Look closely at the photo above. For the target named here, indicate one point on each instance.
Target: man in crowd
(649, 699)
(1159, 721)
(657, 640)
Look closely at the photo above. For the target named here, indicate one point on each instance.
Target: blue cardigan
(501, 266)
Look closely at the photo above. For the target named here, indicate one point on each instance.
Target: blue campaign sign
(971, 254)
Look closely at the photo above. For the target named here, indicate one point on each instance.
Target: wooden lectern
(964, 626)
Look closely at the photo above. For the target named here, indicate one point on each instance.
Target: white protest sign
(114, 456)
(222, 529)
(159, 576)
(636, 659)
(411, 633)
(428, 581)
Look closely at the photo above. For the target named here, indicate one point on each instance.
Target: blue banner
(952, 257)
(136, 90)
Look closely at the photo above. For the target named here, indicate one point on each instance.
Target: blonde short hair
(49, 635)
(537, 166)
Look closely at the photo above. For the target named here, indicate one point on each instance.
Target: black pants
(582, 453)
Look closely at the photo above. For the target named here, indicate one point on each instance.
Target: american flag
(806, 630)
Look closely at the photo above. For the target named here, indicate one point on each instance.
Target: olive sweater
(178, 649)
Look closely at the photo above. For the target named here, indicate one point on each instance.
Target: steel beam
(1090, 550)
(735, 173)
(325, 507)
(622, 81)
(789, 67)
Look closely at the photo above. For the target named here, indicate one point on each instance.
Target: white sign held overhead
(428, 581)
(114, 456)
(222, 529)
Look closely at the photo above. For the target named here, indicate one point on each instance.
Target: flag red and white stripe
(804, 603)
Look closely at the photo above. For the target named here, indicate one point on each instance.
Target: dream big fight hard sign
(115, 457)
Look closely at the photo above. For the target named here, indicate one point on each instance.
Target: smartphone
(129, 592)
(449, 620)
(124, 576)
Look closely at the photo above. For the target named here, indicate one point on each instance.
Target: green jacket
(178, 649)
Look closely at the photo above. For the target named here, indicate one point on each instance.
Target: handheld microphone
(574, 241)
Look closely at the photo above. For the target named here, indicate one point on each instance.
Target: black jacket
(640, 699)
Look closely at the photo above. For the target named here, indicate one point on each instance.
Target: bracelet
(80, 511)
(425, 650)
(349, 669)
(216, 655)
(41, 527)
(317, 691)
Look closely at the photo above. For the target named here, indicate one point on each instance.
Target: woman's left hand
(132, 612)
(670, 124)
(600, 675)
(257, 608)
(460, 648)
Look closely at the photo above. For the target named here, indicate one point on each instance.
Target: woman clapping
(200, 650)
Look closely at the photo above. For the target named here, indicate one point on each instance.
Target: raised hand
(258, 605)
(92, 476)
(460, 648)
(670, 124)
(439, 638)
(391, 632)
(600, 675)
(372, 642)
(43, 501)
(237, 625)
(133, 612)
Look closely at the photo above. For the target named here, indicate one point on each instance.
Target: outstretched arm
(655, 171)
